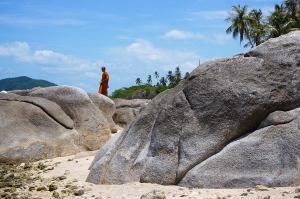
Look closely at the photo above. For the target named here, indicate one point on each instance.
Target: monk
(104, 82)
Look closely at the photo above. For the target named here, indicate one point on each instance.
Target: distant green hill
(22, 83)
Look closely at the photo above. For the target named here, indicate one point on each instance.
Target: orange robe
(104, 84)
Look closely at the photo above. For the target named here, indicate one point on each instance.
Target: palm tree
(279, 22)
(149, 80)
(163, 81)
(257, 29)
(156, 74)
(186, 75)
(239, 19)
(292, 8)
(170, 77)
(138, 81)
(177, 75)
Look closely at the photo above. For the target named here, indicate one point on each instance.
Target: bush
(139, 92)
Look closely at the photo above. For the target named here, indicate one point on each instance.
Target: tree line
(147, 90)
(171, 79)
(257, 28)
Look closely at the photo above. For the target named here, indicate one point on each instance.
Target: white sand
(76, 172)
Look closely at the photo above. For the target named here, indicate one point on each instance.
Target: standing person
(104, 82)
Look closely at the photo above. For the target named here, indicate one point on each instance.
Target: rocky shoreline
(64, 177)
(25, 182)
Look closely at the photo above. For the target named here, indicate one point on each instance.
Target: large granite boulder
(33, 128)
(89, 121)
(49, 122)
(184, 132)
(127, 110)
(107, 106)
(268, 156)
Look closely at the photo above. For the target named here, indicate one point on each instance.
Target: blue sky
(67, 42)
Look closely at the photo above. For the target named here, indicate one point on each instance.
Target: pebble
(62, 177)
(53, 187)
(41, 189)
(55, 194)
(79, 192)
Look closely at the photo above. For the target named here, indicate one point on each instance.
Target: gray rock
(222, 100)
(89, 121)
(127, 110)
(278, 117)
(107, 106)
(109, 145)
(267, 156)
(134, 103)
(79, 192)
(27, 133)
(49, 122)
(49, 107)
(24, 92)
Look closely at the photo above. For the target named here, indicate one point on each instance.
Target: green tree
(149, 80)
(177, 75)
(138, 81)
(239, 23)
(170, 77)
(156, 74)
(163, 81)
(292, 8)
(257, 28)
(186, 75)
(279, 22)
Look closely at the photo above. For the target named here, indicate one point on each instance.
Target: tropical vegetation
(147, 90)
(256, 28)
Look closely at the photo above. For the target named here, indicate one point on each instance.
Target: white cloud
(51, 62)
(177, 34)
(17, 49)
(144, 50)
(49, 57)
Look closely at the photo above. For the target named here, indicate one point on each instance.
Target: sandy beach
(67, 175)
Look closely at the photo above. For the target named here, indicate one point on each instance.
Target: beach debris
(53, 187)
(55, 194)
(154, 194)
(261, 188)
(42, 188)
